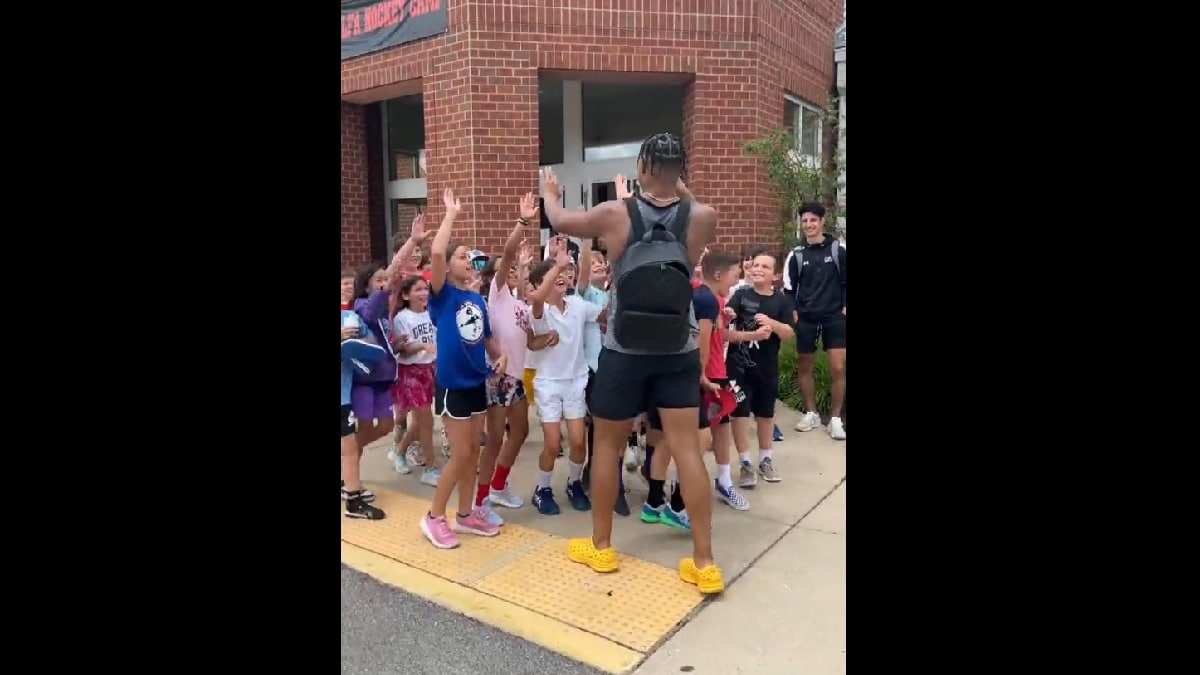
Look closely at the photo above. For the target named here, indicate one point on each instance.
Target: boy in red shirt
(720, 272)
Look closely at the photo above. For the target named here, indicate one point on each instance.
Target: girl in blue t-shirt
(464, 344)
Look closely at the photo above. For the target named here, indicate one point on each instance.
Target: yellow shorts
(527, 378)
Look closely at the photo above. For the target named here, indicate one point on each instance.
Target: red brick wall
(356, 221)
(481, 91)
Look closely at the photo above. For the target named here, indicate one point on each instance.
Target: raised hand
(525, 256)
(550, 187)
(453, 205)
(529, 207)
(622, 186)
(418, 228)
(562, 257)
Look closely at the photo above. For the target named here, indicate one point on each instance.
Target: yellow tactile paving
(522, 582)
(635, 606)
(398, 537)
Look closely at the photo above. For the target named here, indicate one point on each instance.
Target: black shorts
(761, 390)
(347, 420)
(460, 404)
(629, 384)
(831, 331)
(655, 421)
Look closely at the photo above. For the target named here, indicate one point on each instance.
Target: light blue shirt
(591, 330)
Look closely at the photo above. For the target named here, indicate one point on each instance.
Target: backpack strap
(637, 226)
(657, 232)
(837, 264)
(798, 260)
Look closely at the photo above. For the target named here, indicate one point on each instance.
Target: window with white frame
(804, 121)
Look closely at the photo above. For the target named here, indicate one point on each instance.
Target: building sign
(371, 25)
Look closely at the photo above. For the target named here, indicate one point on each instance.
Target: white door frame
(575, 175)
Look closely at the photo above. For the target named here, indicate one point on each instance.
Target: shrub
(795, 181)
(789, 391)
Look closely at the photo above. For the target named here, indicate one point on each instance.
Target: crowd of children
(448, 331)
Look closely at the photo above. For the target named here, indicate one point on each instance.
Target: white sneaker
(505, 498)
(808, 421)
(399, 461)
(836, 431)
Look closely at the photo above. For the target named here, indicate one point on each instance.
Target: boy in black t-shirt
(763, 316)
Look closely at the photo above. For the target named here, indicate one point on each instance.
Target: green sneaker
(676, 519)
(652, 515)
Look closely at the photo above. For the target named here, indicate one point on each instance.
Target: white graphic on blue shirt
(469, 318)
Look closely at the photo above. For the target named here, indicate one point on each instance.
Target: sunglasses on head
(479, 263)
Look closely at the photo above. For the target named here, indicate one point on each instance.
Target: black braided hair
(663, 150)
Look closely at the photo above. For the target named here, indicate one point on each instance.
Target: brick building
(507, 86)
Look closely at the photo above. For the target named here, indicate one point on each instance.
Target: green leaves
(795, 181)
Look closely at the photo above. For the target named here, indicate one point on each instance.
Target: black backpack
(654, 287)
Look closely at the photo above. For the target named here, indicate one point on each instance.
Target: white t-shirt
(565, 361)
(419, 328)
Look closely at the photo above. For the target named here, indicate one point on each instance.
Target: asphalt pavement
(385, 630)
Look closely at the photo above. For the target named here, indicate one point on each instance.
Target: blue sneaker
(579, 500)
(651, 514)
(676, 519)
(543, 500)
(777, 434)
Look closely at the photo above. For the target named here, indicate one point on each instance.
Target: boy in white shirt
(562, 374)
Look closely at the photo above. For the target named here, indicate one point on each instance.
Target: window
(617, 117)
(405, 137)
(805, 123)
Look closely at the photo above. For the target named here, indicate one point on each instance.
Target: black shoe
(357, 507)
(367, 495)
(621, 508)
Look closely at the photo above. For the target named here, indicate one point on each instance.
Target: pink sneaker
(438, 532)
(476, 523)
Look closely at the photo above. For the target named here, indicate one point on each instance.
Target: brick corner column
(720, 113)
(356, 212)
(481, 137)
(504, 115)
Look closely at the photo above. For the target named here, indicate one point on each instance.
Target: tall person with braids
(650, 354)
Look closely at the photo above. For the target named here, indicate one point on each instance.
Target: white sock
(544, 479)
(764, 454)
(574, 471)
(723, 476)
(744, 457)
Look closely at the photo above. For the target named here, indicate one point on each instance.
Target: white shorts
(558, 400)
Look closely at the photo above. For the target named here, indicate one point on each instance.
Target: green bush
(789, 391)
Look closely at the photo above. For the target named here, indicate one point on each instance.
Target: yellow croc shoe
(584, 551)
(707, 579)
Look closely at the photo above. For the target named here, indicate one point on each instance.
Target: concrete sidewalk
(521, 581)
(785, 614)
